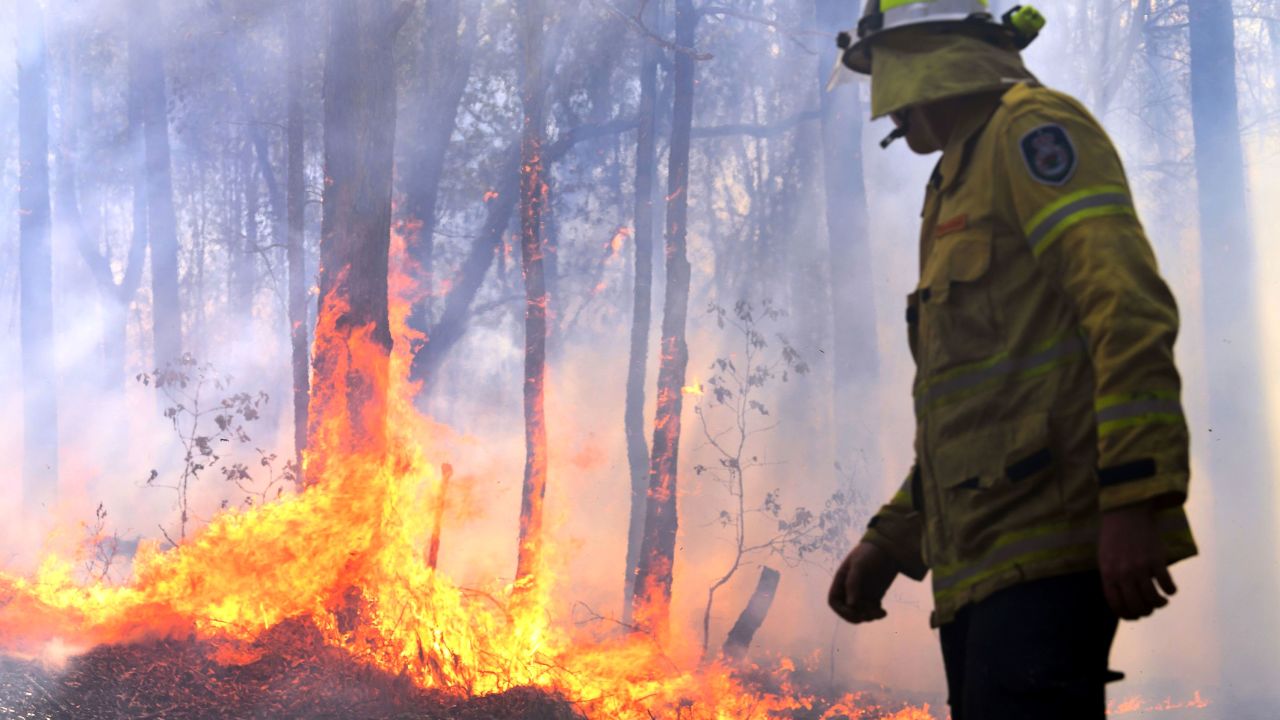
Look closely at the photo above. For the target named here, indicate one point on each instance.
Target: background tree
(855, 362)
(147, 72)
(296, 182)
(359, 131)
(641, 302)
(39, 397)
(533, 204)
(652, 592)
(1240, 465)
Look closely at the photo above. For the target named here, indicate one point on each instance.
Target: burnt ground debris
(297, 677)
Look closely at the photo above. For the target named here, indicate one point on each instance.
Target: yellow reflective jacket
(1045, 388)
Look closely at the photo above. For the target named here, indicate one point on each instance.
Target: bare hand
(1131, 559)
(860, 584)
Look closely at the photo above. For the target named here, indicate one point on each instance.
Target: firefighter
(1051, 469)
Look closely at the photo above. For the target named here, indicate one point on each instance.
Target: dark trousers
(1037, 651)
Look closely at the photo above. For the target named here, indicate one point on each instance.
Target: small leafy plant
(211, 421)
(733, 414)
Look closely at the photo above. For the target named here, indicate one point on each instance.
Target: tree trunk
(295, 42)
(1239, 457)
(641, 309)
(855, 356)
(353, 335)
(446, 65)
(35, 263)
(533, 197)
(452, 325)
(753, 615)
(656, 566)
(243, 245)
(80, 216)
(162, 231)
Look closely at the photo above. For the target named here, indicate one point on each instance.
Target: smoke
(754, 235)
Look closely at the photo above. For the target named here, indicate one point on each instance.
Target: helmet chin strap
(904, 126)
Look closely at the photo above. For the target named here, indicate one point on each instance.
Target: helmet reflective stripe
(890, 14)
(882, 16)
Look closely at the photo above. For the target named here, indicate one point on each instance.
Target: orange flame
(1136, 704)
(363, 525)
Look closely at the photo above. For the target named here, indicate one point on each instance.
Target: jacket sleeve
(898, 529)
(1070, 194)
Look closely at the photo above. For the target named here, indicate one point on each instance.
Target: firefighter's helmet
(1015, 29)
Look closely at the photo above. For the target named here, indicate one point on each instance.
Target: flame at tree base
(346, 557)
(335, 577)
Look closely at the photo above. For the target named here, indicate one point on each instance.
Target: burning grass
(322, 604)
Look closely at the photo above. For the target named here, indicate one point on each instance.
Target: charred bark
(641, 309)
(35, 265)
(162, 225)
(1240, 455)
(533, 206)
(656, 565)
(359, 127)
(855, 358)
(295, 43)
(753, 615)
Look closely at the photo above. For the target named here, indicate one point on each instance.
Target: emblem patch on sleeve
(1049, 154)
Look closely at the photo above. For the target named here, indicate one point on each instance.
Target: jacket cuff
(1138, 482)
(905, 555)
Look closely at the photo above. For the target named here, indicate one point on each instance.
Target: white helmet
(1017, 28)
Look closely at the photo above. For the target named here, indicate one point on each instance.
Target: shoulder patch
(1049, 155)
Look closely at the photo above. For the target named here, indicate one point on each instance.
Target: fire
(352, 545)
(618, 240)
(694, 388)
(1136, 704)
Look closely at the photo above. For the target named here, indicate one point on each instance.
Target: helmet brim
(858, 55)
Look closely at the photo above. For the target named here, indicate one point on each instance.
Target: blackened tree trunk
(1239, 455)
(162, 224)
(533, 197)
(656, 565)
(353, 336)
(855, 359)
(449, 45)
(35, 265)
(641, 308)
(744, 630)
(295, 41)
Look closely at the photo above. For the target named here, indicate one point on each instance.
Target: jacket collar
(973, 117)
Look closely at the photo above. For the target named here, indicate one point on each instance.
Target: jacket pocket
(957, 317)
(997, 481)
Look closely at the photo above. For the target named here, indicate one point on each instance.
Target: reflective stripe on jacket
(1045, 389)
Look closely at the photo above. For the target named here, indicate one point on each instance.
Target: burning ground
(322, 604)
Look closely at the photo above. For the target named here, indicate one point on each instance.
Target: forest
(543, 358)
